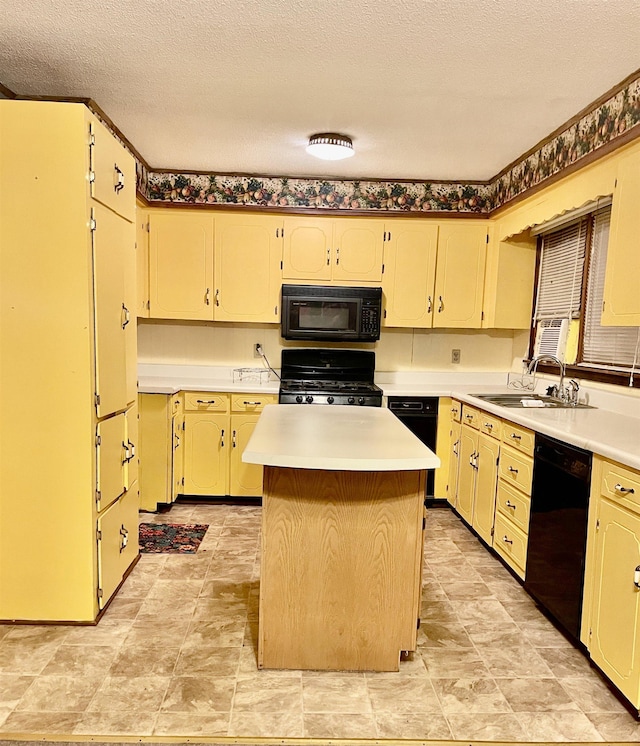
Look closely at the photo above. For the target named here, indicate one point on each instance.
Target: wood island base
(341, 568)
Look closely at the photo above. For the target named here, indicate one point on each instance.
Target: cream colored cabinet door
(621, 306)
(467, 472)
(156, 450)
(359, 248)
(615, 618)
(112, 238)
(462, 248)
(180, 265)
(409, 273)
(207, 441)
(178, 460)
(131, 446)
(484, 506)
(245, 480)
(113, 172)
(307, 249)
(142, 263)
(112, 453)
(247, 268)
(454, 464)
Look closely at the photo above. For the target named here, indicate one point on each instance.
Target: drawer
(198, 401)
(518, 437)
(489, 424)
(621, 484)
(516, 469)
(251, 402)
(470, 416)
(510, 543)
(456, 411)
(514, 505)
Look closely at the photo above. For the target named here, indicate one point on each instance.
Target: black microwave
(327, 313)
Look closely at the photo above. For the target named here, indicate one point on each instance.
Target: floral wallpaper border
(604, 124)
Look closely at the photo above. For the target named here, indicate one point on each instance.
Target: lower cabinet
(454, 454)
(216, 430)
(159, 443)
(612, 576)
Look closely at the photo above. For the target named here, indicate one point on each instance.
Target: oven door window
(324, 316)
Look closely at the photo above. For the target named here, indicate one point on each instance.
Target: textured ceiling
(427, 89)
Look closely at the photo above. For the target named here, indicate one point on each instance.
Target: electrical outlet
(455, 356)
(257, 350)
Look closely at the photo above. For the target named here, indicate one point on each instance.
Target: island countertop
(336, 438)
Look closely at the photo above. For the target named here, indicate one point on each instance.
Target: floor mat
(177, 538)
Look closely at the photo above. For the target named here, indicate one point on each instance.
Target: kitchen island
(342, 537)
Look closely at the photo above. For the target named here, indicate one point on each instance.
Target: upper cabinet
(621, 306)
(248, 251)
(326, 250)
(181, 264)
(112, 172)
(142, 263)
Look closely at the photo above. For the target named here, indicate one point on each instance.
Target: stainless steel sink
(520, 401)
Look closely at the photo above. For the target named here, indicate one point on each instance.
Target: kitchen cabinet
(509, 282)
(157, 426)
(142, 263)
(216, 430)
(621, 305)
(515, 474)
(248, 251)
(68, 328)
(613, 576)
(458, 291)
(455, 412)
(321, 251)
(181, 264)
(409, 273)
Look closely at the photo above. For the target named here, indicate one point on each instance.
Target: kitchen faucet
(570, 394)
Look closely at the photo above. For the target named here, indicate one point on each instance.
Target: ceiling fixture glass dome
(330, 146)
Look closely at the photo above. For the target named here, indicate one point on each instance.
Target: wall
(206, 343)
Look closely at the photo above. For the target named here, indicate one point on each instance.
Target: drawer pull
(221, 438)
(488, 425)
(205, 401)
(624, 490)
(509, 504)
(469, 416)
(429, 311)
(124, 537)
(512, 470)
(454, 410)
(506, 540)
(516, 437)
(233, 438)
(252, 403)
(636, 577)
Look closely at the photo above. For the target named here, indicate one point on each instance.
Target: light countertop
(336, 438)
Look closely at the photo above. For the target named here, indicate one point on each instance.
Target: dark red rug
(177, 538)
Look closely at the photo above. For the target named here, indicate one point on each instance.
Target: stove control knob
(361, 400)
(330, 399)
(299, 399)
(309, 399)
(351, 400)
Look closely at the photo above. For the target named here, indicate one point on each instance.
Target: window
(569, 297)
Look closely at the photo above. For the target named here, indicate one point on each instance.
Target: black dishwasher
(558, 530)
(420, 415)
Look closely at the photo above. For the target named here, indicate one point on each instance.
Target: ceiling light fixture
(330, 146)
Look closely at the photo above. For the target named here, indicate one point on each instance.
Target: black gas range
(321, 376)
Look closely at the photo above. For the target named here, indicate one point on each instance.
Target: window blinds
(604, 345)
(561, 268)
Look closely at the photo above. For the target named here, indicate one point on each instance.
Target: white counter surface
(336, 438)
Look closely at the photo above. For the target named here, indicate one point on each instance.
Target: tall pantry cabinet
(68, 427)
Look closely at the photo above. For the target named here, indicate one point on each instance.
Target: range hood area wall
(204, 343)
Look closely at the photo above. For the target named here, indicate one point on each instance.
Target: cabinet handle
(488, 425)
(506, 540)
(328, 256)
(429, 306)
(509, 504)
(512, 470)
(252, 403)
(124, 537)
(454, 410)
(118, 185)
(221, 438)
(472, 459)
(177, 441)
(455, 448)
(217, 297)
(233, 438)
(205, 401)
(337, 256)
(133, 448)
(206, 297)
(127, 457)
(440, 304)
(515, 437)
(469, 416)
(636, 577)
(126, 315)
(624, 490)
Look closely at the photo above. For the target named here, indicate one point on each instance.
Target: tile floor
(175, 654)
